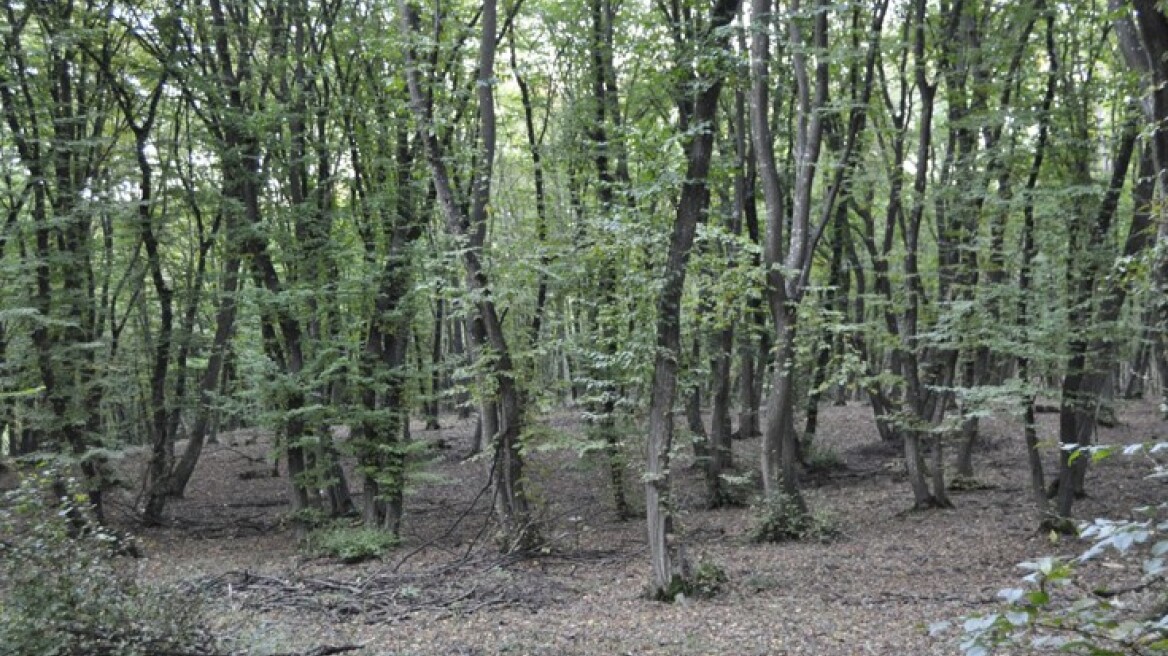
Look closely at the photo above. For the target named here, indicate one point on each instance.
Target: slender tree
(507, 468)
(693, 203)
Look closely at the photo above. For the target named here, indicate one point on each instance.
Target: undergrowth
(819, 458)
(703, 582)
(350, 544)
(65, 591)
(779, 518)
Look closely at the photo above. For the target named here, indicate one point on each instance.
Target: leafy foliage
(65, 592)
(1059, 608)
(268, 254)
(778, 518)
(351, 544)
(823, 458)
(709, 579)
(704, 582)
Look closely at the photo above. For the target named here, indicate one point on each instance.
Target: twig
(322, 651)
(458, 520)
(497, 599)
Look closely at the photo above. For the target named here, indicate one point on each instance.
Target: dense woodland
(686, 221)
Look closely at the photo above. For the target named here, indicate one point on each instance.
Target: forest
(583, 327)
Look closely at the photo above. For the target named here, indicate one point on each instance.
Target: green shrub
(778, 518)
(704, 581)
(739, 488)
(761, 583)
(823, 459)
(708, 579)
(823, 526)
(351, 544)
(63, 591)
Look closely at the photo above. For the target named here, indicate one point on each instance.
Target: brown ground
(447, 591)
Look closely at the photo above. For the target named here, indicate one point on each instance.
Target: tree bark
(510, 496)
(1087, 375)
(691, 206)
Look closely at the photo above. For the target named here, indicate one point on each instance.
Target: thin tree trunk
(691, 206)
(1087, 377)
(209, 383)
(162, 441)
(611, 178)
(1025, 278)
(433, 405)
(750, 351)
(510, 496)
(788, 256)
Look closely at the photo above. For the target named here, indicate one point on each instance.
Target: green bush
(62, 592)
(704, 581)
(708, 579)
(351, 544)
(739, 488)
(823, 526)
(761, 583)
(778, 518)
(823, 459)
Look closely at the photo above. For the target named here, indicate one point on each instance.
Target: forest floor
(447, 591)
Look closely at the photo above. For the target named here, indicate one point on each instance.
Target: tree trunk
(519, 531)
(209, 383)
(433, 405)
(691, 206)
(1142, 28)
(788, 256)
(1088, 375)
(719, 452)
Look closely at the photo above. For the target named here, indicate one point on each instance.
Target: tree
(507, 469)
(1142, 30)
(792, 240)
(61, 144)
(693, 202)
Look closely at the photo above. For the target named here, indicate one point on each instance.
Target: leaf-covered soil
(447, 590)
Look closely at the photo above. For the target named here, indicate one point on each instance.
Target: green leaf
(976, 624)
(1101, 453)
(1037, 598)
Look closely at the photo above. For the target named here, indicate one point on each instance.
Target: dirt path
(446, 591)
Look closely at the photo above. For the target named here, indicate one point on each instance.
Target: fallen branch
(322, 651)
